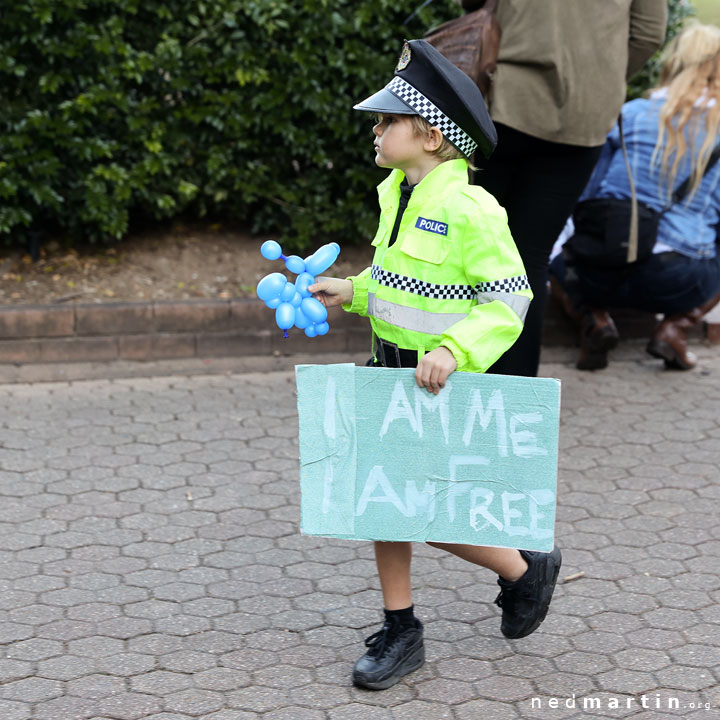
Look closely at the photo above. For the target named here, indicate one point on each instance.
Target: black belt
(388, 354)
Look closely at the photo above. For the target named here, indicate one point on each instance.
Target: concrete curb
(171, 330)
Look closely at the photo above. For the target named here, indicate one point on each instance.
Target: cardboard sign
(382, 459)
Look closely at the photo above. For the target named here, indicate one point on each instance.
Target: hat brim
(384, 101)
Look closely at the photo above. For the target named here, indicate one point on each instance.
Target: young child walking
(446, 291)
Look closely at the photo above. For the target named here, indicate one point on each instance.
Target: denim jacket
(688, 227)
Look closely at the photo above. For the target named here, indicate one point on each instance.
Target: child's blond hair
(691, 75)
(446, 151)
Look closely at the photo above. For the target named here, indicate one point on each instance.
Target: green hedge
(237, 108)
(112, 109)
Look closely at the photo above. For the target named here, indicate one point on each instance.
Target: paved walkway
(151, 566)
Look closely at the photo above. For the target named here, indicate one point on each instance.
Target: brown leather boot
(598, 335)
(669, 341)
(571, 310)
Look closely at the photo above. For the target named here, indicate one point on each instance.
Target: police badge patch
(404, 60)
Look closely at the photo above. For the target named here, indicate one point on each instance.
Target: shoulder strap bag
(615, 232)
(471, 42)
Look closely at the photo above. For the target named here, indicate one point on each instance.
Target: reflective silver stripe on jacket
(501, 290)
(518, 303)
(410, 318)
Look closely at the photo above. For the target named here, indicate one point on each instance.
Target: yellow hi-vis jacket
(453, 277)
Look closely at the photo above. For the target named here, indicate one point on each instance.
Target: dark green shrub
(234, 107)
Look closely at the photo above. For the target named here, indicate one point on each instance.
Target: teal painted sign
(382, 459)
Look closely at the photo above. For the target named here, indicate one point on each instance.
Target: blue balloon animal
(293, 304)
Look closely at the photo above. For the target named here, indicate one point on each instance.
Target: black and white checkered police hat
(427, 84)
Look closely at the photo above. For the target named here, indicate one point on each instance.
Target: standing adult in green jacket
(557, 91)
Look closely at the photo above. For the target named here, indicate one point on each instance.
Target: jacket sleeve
(359, 302)
(648, 23)
(493, 266)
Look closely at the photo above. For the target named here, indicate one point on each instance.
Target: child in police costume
(446, 291)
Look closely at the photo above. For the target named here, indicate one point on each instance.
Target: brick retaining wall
(160, 330)
(205, 328)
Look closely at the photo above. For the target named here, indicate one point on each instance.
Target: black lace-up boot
(393, 652)
(525, 602)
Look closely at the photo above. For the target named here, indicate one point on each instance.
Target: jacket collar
(437, 180)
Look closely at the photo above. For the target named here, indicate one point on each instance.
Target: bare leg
(393, 564)
(506, 562)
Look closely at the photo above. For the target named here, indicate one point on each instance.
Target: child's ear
(433, 140)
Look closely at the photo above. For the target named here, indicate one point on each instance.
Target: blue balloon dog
(293, 304)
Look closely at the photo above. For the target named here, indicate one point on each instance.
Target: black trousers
(538, 183)
(667, 282)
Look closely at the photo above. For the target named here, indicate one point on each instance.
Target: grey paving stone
(249, 660)
(485, 708)
(35, 614)
(11, 710)
(686, 678)
(34, 649)
(356, 711)
(95, 647)
(523, 666)
(14, 670)
(445, 692)
(66, 630)
(161, 682)
(202, 589)
(221, 679)
(297, 620)
(642, 659)
(655, 639)
(124, 628)
(214, 641)
(128, 706)
(126, 664)
(696, 655)
(563, 684)
(68, 706)
(95, 687)
(196, 703)
(504, 688)
(670, 618)
(295, 713)
(631, 682)
(258, 699)
(183, 625)
(32, 689)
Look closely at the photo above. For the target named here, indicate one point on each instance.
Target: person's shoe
(669, 342)
(525, 602)
(574, 312)
(598, 335)
(392, 653)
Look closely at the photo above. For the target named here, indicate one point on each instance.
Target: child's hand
(433, 369)
(332, 291)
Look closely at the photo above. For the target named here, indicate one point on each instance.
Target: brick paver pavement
(152, 566)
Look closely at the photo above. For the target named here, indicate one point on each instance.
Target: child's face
(397, 144)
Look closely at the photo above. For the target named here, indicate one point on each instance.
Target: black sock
(405, 617)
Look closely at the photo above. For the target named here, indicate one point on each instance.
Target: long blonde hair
(691, 77)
